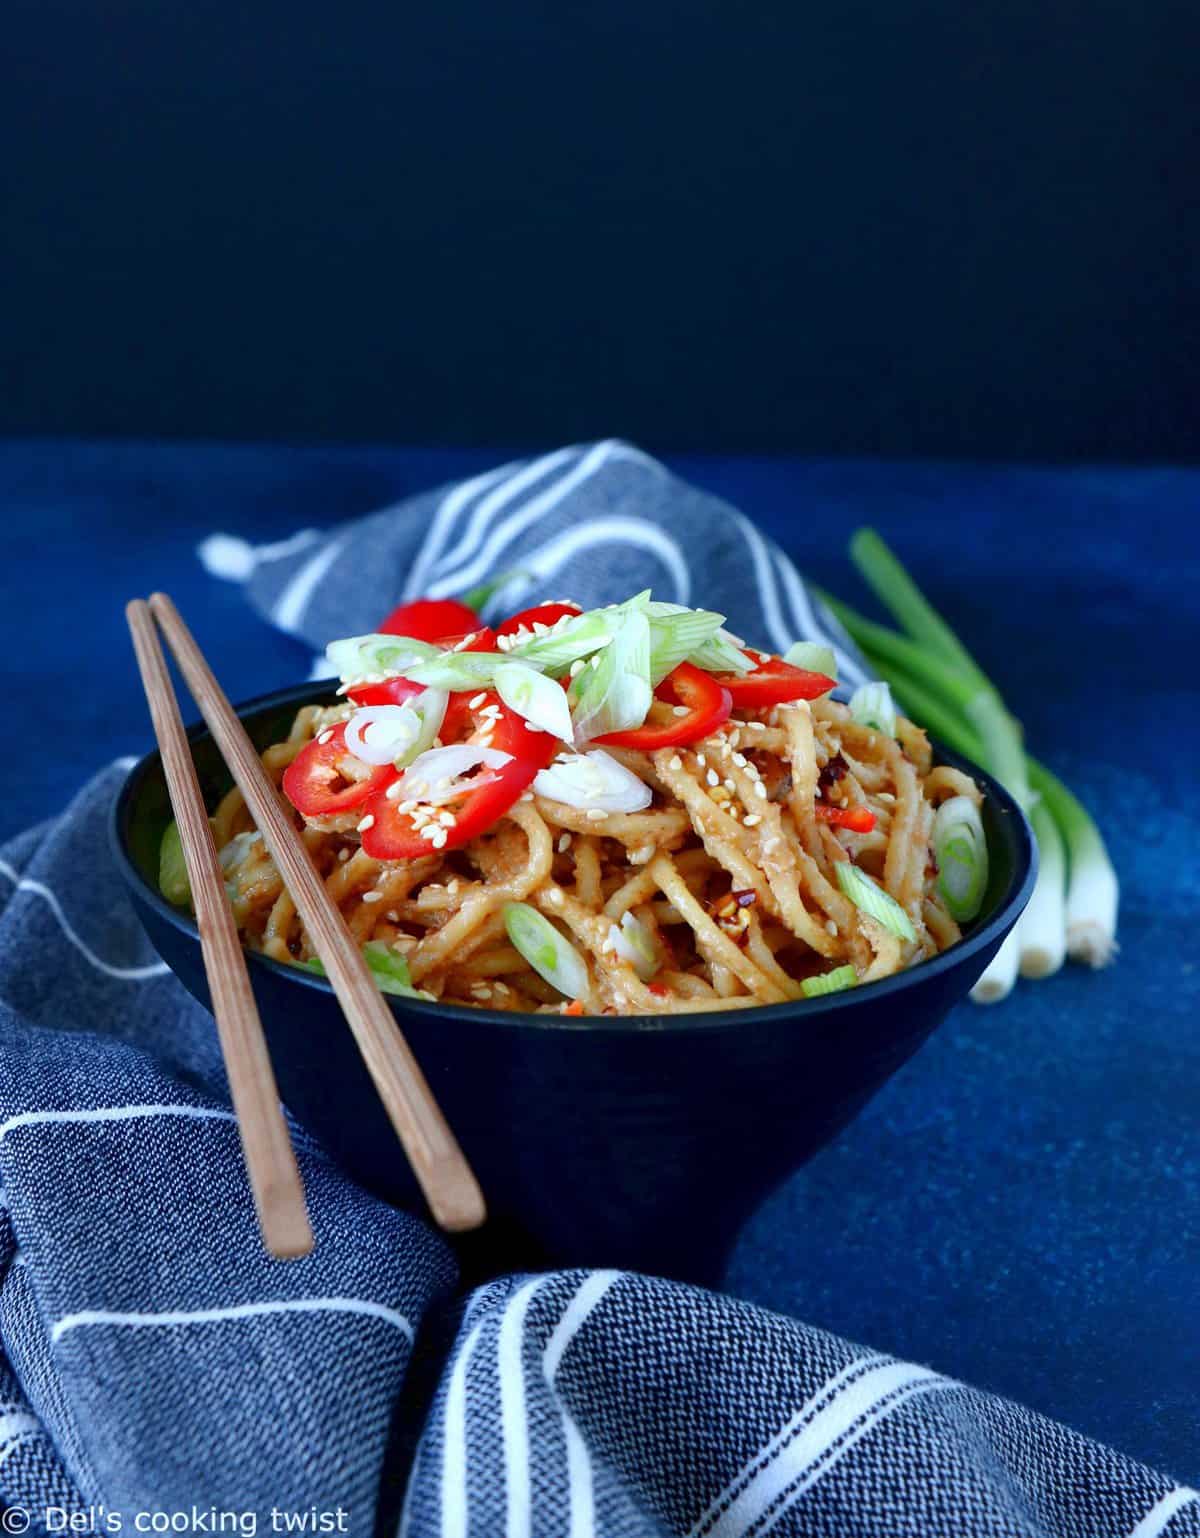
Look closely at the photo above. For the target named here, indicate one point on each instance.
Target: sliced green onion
(613, 693)
(873, 900)
(1043, 927)
(632, 942)
(960, 848)
(535, 698)
(173, 880)
(390, 971)
(813, 658)
(722, 654)
(676, 633)
(456, 671)
(358, 656)
(871, 706)
(567, 641)
(551, 956)
(828, 982)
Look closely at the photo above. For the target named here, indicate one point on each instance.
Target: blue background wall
(926, 227)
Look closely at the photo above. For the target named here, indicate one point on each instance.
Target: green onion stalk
(936, 681)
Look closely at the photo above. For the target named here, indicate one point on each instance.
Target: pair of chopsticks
(437, 1161)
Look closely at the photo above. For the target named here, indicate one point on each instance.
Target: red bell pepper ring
(316, 781)
(393, 835)
(541, 614)
(859, 819)
(708, 703)
(429, 619)
(773, 682)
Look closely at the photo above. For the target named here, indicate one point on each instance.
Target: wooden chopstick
(437, 1161)
(270, 1161)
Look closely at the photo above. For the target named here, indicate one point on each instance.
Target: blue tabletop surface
(1020, 1206)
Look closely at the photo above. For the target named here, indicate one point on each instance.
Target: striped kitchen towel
(594, 522)
(159, 1374)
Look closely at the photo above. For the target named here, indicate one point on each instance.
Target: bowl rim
(1008, 909)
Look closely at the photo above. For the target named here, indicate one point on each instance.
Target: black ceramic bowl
(639, 1143)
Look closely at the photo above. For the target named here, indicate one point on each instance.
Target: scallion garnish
(960, 848)
(871, 706)
(828, 982)
(534, 697)
(613, 692)
(549, 953)
(873, 900)
(173, 880)
(390, 971)
(813, 658)
(721, 654)
(359, 656)
(676, 634)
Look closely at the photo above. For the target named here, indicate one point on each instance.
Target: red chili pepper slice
(773, 682)
(708, 705)
(540, 614)
(429, 619)
(394, 836)
(317, 783)
(859, 819)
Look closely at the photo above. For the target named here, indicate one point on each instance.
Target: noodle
(730, 873)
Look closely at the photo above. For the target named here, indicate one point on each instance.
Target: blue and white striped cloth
(159, 1374)
(594, 522)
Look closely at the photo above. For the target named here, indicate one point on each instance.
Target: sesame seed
(372, 897)
(564, 843)
(712, 777)
(578, 666)
(343, 856)
(680, 710)
(753, 820)
(393, 791)
(325, 736)
(367, 822)
(830, 927)
(430, 830)
(439, 838)
(676, 762)
(760, 790)
(392, 916)
(555, 897)
(728, 784)
(447, 819)
(453, 886)
(597, 815)
(477, 700)
(740, 760)
(642, 856)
